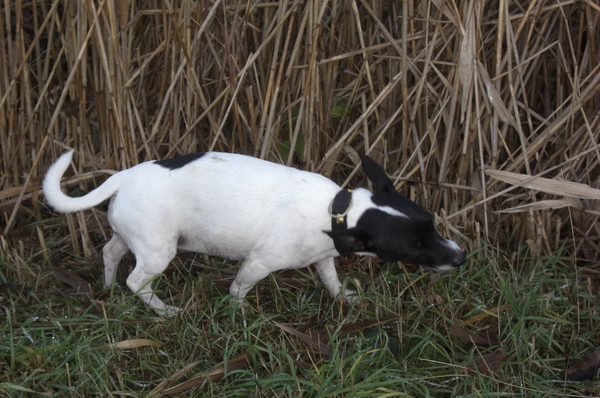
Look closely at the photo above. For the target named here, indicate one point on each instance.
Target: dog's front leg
(249, 274)
(329, 277)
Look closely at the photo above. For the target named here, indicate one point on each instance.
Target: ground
(409, 337)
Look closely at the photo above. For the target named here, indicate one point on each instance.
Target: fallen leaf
(491, 336)
(434, 277)
(487, 363)
(315, 343)
(585, 368)
(486, 313)
(318, 339)
(75, 281)
(358, 326)
(132, 343)
(215, 374)
(311, 321)
(486, 339)
(304, 365)
(174, 377)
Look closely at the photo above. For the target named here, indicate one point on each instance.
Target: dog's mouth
(449, 265)
(445, 261)
(366, 254)
(443, 268)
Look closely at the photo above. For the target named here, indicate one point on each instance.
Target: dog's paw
(351, 297)
(169, 311)
(239, 302)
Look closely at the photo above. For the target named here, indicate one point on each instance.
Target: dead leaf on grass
(132, 343)
(485, 339)
(487, 363)
(361, 325)
(315, 343)
(79, 284)
(311, 321)
(585, 368)
(318, 339)
(434, 278)
(174, 377)
(214, 374)
(493, 312)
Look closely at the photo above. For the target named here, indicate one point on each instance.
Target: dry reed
(439, 91)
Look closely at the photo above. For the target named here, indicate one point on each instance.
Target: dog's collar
(339, 208)
(338, 211)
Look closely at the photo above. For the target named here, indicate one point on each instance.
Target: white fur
(452, 245)
(238, 207)
(392, 211)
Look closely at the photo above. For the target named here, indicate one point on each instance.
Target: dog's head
(395, 228)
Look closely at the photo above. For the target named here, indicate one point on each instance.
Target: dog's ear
(348, 241)
(377, 175)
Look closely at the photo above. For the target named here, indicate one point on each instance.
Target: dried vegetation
(449, 95)
(485, 112)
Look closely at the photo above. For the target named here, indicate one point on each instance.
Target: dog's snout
(455, 257)
(460, 259)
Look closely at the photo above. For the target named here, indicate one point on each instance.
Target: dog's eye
(419, 244)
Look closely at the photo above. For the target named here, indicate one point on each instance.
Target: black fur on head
(396, 228)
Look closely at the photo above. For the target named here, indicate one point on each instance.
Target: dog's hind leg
(249, 274)
(329, 277)
(149, 265)
(112, 253)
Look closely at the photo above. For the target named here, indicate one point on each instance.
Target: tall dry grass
(449, 95)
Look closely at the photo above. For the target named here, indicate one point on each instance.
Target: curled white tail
(65, 204)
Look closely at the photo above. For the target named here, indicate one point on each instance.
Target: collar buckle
(339, 208)
(340, 217)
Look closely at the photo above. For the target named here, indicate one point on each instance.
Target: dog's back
(224, 204)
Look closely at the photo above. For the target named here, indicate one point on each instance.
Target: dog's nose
(459, 259)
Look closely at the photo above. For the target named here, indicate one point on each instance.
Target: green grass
(57, 345)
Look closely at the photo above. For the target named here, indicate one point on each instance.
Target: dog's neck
(345, 210)
(360, 202)
(338, 211)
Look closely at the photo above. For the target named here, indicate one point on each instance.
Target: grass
(543, 312)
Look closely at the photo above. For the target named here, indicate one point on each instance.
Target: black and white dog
(270, 216)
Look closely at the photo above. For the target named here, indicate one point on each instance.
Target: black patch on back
(180, 161)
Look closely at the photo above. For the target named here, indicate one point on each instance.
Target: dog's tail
(66, 204)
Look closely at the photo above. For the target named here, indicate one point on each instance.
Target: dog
(270, 216)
